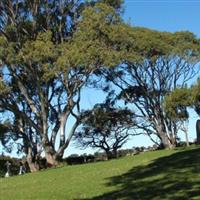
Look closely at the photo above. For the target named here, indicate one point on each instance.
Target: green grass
(159, 175)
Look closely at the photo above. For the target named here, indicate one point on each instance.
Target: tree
(107, 128)
(155, 64)
(176, 104)
(47, 56)
(29, 30)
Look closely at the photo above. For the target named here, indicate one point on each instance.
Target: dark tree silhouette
(107, 128)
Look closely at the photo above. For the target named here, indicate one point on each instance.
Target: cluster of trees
(50, 51)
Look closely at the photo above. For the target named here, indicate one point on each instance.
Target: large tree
(47, 55)
(155, 64)
(29, 32)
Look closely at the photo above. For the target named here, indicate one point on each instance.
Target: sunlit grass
(166, 174)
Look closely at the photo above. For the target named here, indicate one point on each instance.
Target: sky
(161, 15)
(164, 15)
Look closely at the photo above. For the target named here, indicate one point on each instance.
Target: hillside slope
(166, 175)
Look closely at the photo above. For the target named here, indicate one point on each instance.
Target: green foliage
(39, 51)
(177, 102)
(100, 37)
(187, 45)
(103, 117)
(4, 89)
(100, 40)
(7, 51)
(151, 44)
(117, 4)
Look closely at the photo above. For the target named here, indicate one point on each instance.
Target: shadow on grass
(175, 177)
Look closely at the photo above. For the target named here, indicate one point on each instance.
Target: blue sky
(164, 15)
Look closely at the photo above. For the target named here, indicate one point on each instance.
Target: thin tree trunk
(166, 143)
(185, 130)
(186, 138)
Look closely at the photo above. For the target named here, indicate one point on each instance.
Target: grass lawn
(159, 175)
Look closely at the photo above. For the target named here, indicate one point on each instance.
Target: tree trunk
(50, 156)
(111, 154)
(32, 161)
(166, 142)
(173, 140)
(33, 166)
(187, 140)
(185, 130)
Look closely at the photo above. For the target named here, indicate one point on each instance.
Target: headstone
(7, 175)
(198, 131)
(8, 166)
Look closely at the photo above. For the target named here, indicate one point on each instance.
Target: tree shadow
(175, 177)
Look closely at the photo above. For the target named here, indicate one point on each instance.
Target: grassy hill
(159, 175)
